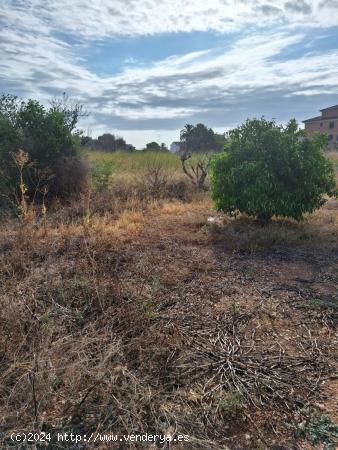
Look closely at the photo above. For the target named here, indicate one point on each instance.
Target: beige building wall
(328, 124)
(330, 112)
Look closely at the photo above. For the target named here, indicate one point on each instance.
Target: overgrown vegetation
(49, 138)
(141, 319)
(140, 173)
(269, 170)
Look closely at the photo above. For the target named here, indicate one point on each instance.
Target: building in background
(326, 123)
(175, 147)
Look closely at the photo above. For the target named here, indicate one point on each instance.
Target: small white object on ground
(211, 219)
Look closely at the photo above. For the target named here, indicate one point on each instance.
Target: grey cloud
(114, 11)
(269, 10)
(329, 4)
(272, 103)
(298, 6)
(216, 106)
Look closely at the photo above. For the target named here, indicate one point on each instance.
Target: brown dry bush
(153, 185)
(125, 193)
(71, 177)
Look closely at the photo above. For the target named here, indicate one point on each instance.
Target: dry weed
(110, 322)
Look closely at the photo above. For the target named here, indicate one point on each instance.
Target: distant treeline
(107, 142)
(110, 143)
(193, 138)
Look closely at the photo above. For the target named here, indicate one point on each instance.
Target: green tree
(153, 146)
(269, 170)
(199, 138)
(164, 148)
(120, 143)
(220, 141)
(47, 135)
(107, 142)
(186, 137)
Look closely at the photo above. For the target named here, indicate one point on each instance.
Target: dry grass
(143, 316)
(246, 234)
(333, 156)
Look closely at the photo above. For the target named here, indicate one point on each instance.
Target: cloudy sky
(144, 68)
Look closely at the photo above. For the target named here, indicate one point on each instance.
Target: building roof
(319, 118)
(313, 119)
(330, 107)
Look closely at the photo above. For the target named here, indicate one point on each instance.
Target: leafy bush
(317, 427)
(269, 170)
(49, 137)
(70, 177)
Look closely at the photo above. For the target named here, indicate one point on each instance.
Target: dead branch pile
(260, 372)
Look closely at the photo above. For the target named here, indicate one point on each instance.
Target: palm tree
(186, 132)
(185, 136)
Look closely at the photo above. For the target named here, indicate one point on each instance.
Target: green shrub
(317, 428)
(48, 136)
(231, 404)
(269, 170)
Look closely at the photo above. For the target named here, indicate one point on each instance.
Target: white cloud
(219, 86)
(160, 112)
(138, 17)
